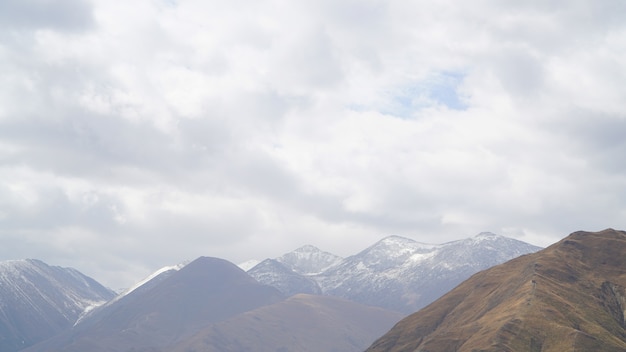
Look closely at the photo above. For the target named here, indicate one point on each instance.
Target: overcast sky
(138, 134)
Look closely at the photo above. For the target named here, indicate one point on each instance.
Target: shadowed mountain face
(569, 297)
(303, 323)
(205, 291)
(38, 301)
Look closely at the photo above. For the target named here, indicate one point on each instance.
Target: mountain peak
(215, 270)
(308, 260)
(398, 246)
(307, 248)
(396, 272)
(600, 249)
(395, 239)
(487, 235)
(248, 264)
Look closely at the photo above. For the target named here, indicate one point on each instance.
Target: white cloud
(142, 134)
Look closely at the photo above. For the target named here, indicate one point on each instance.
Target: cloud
(138, 135)
(61, 15)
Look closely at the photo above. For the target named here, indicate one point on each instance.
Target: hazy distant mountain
(404, 275)
(38, 301)
(274, 273)
(293, 272)
(569, 297)
(303, 323)
(309, 260)
(203, 292)
(248, 264)
(230, 310)
(395, 273)
(134, 291)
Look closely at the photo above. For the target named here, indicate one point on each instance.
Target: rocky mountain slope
(397, 273)
(38, 301)
(303, 323)
(569, 297)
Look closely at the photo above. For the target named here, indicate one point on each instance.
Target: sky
(139, 134)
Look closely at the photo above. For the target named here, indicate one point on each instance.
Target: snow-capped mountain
(401, 274)
(248, 264)
(309, 260)
(38, 301)
(292, 272)
(274, 273)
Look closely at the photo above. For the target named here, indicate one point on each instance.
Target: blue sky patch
(438, 89)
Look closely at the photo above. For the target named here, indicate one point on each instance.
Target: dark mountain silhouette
(38, 301)
(205, 291)
(303, 323)
(569, 297)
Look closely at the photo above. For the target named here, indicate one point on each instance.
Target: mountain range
(568, 297)
(305, 300)
(205, 291)
(395, 273)
(212, 305)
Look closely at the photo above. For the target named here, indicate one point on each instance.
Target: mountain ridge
(399, 273)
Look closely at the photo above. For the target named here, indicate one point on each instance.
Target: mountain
(395, 273)
(309, 260)
(293, 272)
(38, 301)
(570, 296)
(276, 274)
(304, 323)
(158, 314)
(248, 264)
(136, 290)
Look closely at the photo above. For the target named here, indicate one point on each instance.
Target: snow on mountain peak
(308, 260)
(487, 236)
(398, 246)
(395, 240)
(248, 264)
(307, 248)
(152, 276)
(396, 272)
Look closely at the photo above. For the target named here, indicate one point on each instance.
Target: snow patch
(147, 279)
(248, 264)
